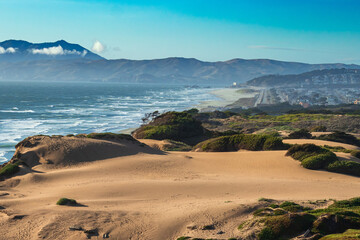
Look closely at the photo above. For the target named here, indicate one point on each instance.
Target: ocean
(61, 108)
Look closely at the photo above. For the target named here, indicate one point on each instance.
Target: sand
(159, 196)
(321, 143)
(226, 97)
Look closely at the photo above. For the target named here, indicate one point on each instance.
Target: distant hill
(62, 61)
(326, 77)
(18, 50)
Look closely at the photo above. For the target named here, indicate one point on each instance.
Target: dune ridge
(149, 194)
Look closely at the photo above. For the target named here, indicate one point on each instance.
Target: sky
(312, 31)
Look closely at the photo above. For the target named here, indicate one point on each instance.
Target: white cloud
(54, 51)
(98, 47)
(8, 50)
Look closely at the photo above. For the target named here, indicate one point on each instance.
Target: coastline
(226, 96)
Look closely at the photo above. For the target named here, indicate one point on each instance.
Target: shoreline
(226, 96)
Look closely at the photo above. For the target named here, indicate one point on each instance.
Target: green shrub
(274, 205)
(176, 146)
(291, 206)
(183, 238)
(340, 137)
(236, 142)
(300, 152)
(265, 199)
(346, 167)
(111, 136)
(300, 134)
(349, 234)
(353, 202)
(9, 169)
(337, 149)
(318, 129)
(355, 153)
(171, 125)
(319, 161)
(288, 225)
(279, 211)
(67, 202)
(266, 234)
(274, 143)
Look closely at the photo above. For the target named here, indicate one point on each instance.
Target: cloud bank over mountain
(7, 50)
(63, 61)
(57, 51)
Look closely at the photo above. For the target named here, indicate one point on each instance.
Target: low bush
(67, 202)
(337, 149)
(288, 225)
(340, 137)
(349, 234)
(292, 207)
(236, 142)
(176, 146)
(355, 153)
(300, 152)
(353, 202)
(319, 161)
(111, 136)
(346, 167)
(312, 156)
(266, 234)
(9, 170)
(318, 129)
(171, 125)
(300, 134)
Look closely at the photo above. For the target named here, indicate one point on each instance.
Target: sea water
(60, 108)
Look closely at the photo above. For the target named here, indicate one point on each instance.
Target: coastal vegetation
(300, 134)
(341, 137)
(316, 157)
(236, 142)
(67, 202)
(178, 126)
(325, 219)
(9, 170)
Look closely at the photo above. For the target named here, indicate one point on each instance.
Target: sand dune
(321, 143)
(159, 196)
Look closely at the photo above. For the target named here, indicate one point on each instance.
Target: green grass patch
(11, 169)
(67, 202)
(183, 238)
(350, 234)
(241, 226)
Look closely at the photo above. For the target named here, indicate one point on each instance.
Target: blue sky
(314, 31)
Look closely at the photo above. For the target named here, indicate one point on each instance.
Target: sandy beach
(156, 195)
(226, 97)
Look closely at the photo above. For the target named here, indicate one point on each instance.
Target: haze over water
(60, 108)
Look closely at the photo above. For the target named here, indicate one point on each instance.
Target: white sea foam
(77, 113)
(14, 110)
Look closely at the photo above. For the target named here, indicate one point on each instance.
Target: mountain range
(325, 77)
(63, 61)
